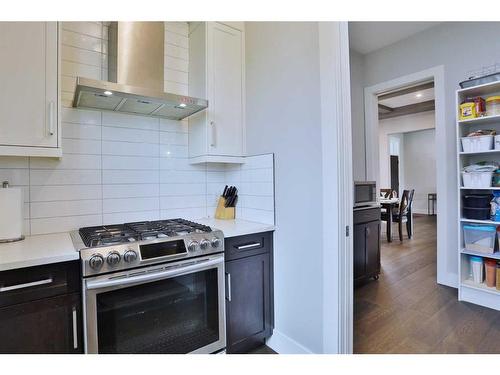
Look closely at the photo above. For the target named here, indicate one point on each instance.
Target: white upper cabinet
(216, 72)
(29, 106)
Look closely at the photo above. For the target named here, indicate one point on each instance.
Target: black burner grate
(141, 230)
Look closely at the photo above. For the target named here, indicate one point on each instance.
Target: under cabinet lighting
(182, 105)
(108, 93)
(419, 95)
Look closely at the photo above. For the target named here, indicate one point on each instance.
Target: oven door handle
(180, 270)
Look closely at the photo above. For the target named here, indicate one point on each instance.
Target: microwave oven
(365, 193)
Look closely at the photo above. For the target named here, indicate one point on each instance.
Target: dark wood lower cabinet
(249, 292)
(41, 325)
(366, 244)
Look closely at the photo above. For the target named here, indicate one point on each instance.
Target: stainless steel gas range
(153, 287)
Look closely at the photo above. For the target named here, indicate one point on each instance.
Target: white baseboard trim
(449, 279)
(282, 344)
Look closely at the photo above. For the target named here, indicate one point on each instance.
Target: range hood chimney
(135, 73)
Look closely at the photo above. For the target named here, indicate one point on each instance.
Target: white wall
(420, 166)
(399, 125)
(357, 116)
(121, 168)
(283, 116)
(440, 45)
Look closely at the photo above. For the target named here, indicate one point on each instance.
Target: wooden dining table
(389, 204)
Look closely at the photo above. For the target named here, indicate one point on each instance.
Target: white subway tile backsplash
(64, 177)
(129, 121)
(15, 177)
(73, 39)
(130, 191)
(81, 146)
(81, 116)
(127, 217)
(129, 135)
(130, 162)
(80, 131)
(67, 162)
(63, 223)
(65, 208)
(130, 149)
(120, 168)
(130, 177)
(65, 192)
(130, 204)
(173, 126)
(15, 162)
(190, 201)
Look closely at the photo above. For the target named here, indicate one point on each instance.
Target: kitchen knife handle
(213, 136)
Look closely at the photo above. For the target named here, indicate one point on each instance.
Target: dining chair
(386, 193)
(403, 214)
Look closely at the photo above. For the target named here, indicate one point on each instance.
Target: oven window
(176, 315)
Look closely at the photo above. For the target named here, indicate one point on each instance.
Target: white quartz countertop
(37, 250)
(236, 227)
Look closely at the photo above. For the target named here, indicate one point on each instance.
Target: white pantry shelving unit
(469, 291)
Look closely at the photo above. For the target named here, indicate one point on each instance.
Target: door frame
(372, 154)
(337, 186)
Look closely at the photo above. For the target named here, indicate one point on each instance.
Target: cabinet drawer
(248, 245)
(364, 216)
(32, 283)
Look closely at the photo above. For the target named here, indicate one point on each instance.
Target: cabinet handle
(228, 286)
(51, 118)
(75, 329)
(26, 285)
(249, 246)
(213, 136)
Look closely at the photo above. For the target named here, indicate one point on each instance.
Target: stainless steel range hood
(135, 73)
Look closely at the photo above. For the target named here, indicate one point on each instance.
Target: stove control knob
(96, 261)
(216, 242)
(130, 256)
(113, 258)
(204, 244)
(193, 245)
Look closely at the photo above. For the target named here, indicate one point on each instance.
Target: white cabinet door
(28, 81)
(225, 84)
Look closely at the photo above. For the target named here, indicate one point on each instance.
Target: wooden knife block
(224, 213)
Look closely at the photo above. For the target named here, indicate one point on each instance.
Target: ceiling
(366, 37)
(410, 98)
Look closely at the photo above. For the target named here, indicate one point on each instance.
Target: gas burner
(139, 231)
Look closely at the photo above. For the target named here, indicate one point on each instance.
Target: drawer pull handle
(75, 330)
(26, 285)
(249, 246)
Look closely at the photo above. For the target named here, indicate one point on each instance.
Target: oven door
(170, 308)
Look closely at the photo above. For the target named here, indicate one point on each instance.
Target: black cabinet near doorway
(366, 244)
(249, 291)
(41, 310)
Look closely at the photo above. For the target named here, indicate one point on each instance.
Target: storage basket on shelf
(477, 206)
(480, 238)
(478, 144)
(477, 180)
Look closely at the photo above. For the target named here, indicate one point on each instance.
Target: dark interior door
(395, 173)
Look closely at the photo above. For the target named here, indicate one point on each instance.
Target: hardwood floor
(405, 311)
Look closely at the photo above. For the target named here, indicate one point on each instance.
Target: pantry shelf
(489, 188)
(480, 120)
(483, 255)
(480, 152)
(483, 287)
(480, 221)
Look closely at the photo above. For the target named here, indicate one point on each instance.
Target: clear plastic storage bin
(477, 144)
(480, 238)
(477, 180)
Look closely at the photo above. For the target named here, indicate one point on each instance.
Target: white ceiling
(366, 37)
(411, 98)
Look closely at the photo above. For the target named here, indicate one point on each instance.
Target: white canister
(11, 213)
(476, 265)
